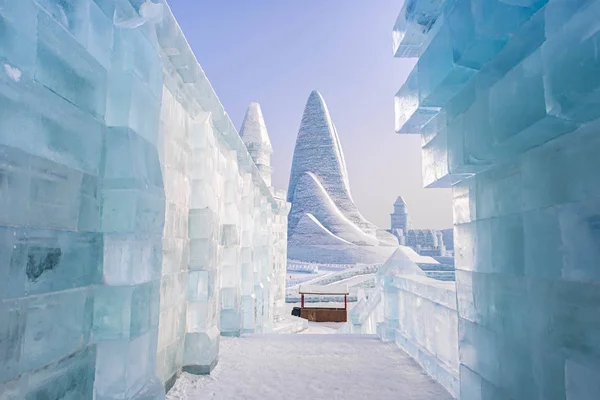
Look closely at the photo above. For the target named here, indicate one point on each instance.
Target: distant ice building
(427, 242)
(325, 225)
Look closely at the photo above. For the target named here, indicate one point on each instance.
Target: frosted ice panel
(230, 298)
(54, 195)
(69, 70)
(479, 29)
(44, 339)
(122, 312)
(571, 73)
(581, 381)
(13, 318)
(145, 307)
(124, 367)
(17, 37)
(73, 15)
(201, 348)
(201, 315)
(70, 378)
(112, 313)
(231, 322)
(440, 76)
(230, 236)
(130, 259)
(200, 285)
(134, 53)
(411, 114)
(100, 35)
(119, 210)
(203, 253)
(131, 105)
(16, 186)
(516, 119)
(42, 261)
(413, 25)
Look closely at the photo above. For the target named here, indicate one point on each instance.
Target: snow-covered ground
(301, 367)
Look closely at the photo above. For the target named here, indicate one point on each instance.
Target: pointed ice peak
(400, 200)
(254, 131)
(318, 148)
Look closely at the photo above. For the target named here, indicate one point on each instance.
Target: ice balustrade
(116, 207)
(505, 97)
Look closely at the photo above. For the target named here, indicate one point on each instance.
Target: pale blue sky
(276, 52)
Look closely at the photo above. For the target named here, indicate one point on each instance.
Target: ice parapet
(324, 224)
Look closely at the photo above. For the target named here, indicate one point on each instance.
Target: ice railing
(303, 266)
(365, 315)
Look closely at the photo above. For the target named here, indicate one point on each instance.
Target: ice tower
(505, 96)
(256, 137)
(324, 224)
(400, 218)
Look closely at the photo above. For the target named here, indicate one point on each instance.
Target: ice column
(249, 319)
(175, 156)
(231, 274)
(126, 309)
(202, 332)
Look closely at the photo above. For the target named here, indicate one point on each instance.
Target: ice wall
(505, 98)
(133, 221)
(422, 319)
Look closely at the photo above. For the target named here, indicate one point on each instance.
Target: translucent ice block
(18, 20)
(203, 224)
(69, 378)
(571, 82)
(411, 114)
(125, 367)
(68, 70)
(201, 351)
(200, 285)
(231, 322)
(125, 312)
(13, 320)
(414, 22)
(45, 340)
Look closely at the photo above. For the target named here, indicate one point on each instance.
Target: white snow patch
(13, 73)
(290, 367)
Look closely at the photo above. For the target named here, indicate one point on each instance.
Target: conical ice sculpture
(324, 224)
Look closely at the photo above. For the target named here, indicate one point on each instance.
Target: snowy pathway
(315, 367)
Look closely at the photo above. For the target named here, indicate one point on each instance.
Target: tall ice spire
(256, 138)
(322, 207)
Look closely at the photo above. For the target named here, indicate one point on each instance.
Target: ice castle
(428, 242)
(324, 224)
(136, 227)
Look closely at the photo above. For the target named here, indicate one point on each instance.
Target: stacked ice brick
(505, 97)
(114, 158)
(219, 258)
(82, 201)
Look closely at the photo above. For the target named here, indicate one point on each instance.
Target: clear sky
(276, 52)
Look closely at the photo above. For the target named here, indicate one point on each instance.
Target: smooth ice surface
(324, 224)
(310, 366)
